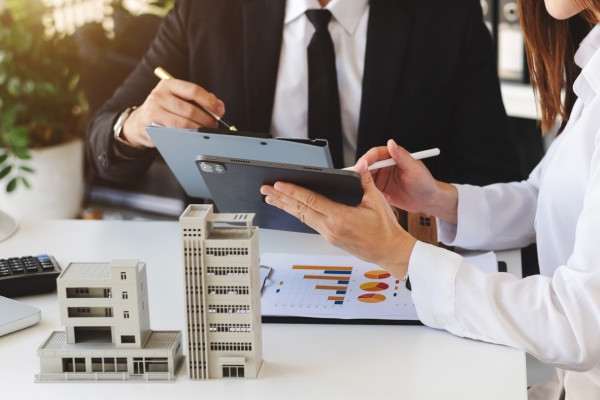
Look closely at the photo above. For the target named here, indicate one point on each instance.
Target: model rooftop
(230, 233)
(158, 340)
(97, 270)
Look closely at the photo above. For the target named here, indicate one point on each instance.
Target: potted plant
(41, 115)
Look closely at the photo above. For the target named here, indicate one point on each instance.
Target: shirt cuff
(432, 272)
(473, 220)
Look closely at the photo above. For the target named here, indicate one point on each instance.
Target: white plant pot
(56, 185)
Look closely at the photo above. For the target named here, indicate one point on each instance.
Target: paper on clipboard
(340, 287)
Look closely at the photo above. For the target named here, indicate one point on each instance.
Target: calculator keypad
(25, 265)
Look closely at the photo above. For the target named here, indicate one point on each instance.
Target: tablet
(235, 187)
(179, 148)
(16, 316)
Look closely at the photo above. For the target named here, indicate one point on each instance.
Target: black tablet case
(237, 189)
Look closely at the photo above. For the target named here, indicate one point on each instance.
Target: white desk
(301, 361)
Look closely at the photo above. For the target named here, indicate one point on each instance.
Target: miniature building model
(222, 294)
(104, 308)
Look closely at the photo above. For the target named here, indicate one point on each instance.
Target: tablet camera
(212, 167)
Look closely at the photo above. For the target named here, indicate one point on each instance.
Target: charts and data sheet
(341, 287)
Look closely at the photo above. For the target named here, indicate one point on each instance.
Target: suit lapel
(388, 34)
(263, 32)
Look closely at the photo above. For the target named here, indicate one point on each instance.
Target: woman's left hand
(368, 231)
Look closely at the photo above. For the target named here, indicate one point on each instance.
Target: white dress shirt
(554, 316)
(348, 29)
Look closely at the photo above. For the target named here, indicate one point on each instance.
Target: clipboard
(180, 147)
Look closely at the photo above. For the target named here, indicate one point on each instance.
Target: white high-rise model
(104, 308)
(222, 294)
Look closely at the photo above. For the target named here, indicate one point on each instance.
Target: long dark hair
(551, 45)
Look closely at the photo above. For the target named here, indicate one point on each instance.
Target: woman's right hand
(409, 185)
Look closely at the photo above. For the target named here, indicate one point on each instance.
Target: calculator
(28, 275)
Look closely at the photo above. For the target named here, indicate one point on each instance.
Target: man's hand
(169, 105)
(409, 185)
(368, 231)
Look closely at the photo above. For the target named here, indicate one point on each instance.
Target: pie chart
(377, 274)
(374, 286)
(371, 298)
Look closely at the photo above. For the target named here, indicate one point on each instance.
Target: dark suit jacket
(429, 81)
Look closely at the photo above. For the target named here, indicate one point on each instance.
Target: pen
(390, 161)
(162, 74)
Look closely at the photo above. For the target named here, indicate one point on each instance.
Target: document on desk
(341, 287)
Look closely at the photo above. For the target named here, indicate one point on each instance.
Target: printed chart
(333, 286)
(340, 287)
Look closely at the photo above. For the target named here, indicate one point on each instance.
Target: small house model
(222, 293)
(104, 308)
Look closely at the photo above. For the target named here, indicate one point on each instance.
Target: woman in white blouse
(554, 316)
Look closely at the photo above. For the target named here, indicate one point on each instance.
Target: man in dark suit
(419, 71)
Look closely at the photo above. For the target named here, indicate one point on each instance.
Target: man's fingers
(189, 111)
(191, 91)
(171, 120)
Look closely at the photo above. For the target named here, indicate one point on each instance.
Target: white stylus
(390, 161)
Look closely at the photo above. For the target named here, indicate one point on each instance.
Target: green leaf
(23, 155)
(12, 185)
(26, 183)
(3, 158)
(5, 171)
(26, 169)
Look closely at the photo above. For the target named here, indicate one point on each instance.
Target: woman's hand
(409, 185)
(368, 231)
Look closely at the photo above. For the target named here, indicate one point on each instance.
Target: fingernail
(268, 200)
(221, 109)
(279, 186)
(265, 190)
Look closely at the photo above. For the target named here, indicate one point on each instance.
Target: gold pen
(162, 74)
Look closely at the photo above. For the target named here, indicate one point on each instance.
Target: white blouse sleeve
(555, 319)
(494, 217)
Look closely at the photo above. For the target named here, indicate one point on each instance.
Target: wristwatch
(118, 128)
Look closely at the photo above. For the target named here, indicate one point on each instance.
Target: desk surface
(338, 361)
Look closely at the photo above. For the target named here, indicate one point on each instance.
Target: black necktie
(324, 114)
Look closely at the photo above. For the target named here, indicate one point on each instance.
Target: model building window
(233, 371)
(127, 339)
(226, 251)
(156, 364)
(97, 365)
(425, 221)
(229, 290)
(68, 365)
(126, 314)
(125, 296)
(108, 312)
(121, 365)
(228, 271)
(230, 346)
(109, 365)
(225, 309)
(82, 291)
(123, 275)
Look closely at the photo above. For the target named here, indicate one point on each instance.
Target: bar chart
(344, 287)
(317, 285)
